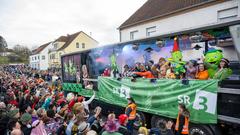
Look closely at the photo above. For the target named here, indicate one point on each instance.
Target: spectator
(69, 121)
(13, 124)
(126, 71)
(83, 128)
(14, 114)
(168, 131)
(202, 73)
(80, 118)
(123, 120)
(38, 128)
(111, 127)
(26, 121)
(191, 69)
(170, 74)
(91, 132)
(52, 124)
(144, 73)
(161, 62)
(86, 103)
(16, 132)
(223, 70)
(143, 131)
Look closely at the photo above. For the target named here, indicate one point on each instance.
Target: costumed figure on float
(176, 60)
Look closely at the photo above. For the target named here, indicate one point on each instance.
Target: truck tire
(195, 129)
(159, 122)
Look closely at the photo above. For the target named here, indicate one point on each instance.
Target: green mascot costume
(212, 60)
(114, 67)
(176, 60)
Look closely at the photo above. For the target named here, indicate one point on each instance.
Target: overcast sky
(35, 22)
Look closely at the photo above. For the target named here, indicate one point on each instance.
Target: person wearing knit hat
(13, 113)
(26, 121)
(26, 118)
(123, 120)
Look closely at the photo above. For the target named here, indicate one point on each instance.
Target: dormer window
(55, 45)
(77, 45)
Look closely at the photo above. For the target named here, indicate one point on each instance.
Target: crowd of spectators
(32, 104)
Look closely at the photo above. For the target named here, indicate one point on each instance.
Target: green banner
(162, 97)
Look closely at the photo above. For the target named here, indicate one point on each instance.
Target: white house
(39, 57)
(166, 18)
(161, 17)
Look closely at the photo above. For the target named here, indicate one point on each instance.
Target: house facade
(53, 53)
(78, 41)
(39, 57)
(162, 17)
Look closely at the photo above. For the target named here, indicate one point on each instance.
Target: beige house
(79, 41)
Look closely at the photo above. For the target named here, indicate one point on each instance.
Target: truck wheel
(140, 120)
(200, 130)
(159, 122)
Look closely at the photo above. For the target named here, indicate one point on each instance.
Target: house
(168, 17)
(78, 41)
(39, 57)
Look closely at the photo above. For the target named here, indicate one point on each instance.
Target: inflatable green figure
(72, 68)
(114, 67)
(212, 60)
(65, 68)
(176, 60)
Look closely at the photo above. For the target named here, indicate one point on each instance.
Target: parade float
(157, 99)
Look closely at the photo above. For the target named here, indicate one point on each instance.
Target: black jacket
(123, 130)
(26, 130)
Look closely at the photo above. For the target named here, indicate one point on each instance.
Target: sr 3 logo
(206, 101)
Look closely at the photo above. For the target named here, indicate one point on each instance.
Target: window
(55, 45)
(133, 35)
(150, 31)
(53, 56)
(227, 14)
(38, 57)
(83, 45)
(77, 45)
(35, 57)
(43, 57)
(32, 58)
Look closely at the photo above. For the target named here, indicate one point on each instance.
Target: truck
(213, 104)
